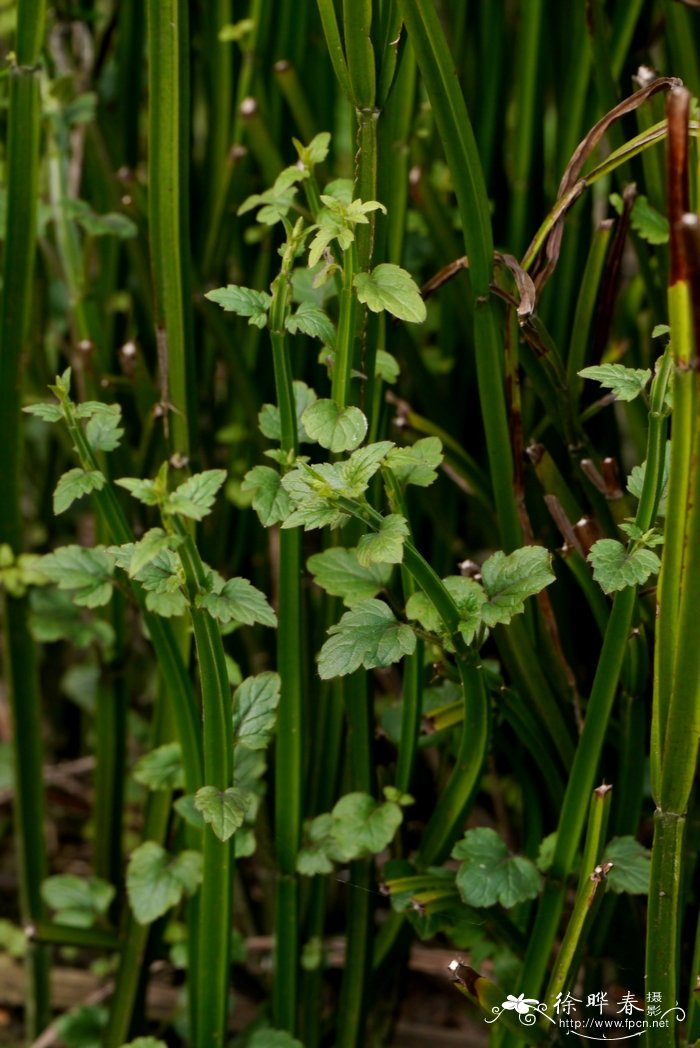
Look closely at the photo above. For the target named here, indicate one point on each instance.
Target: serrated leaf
(510, 580)
(73, 485)
(147, 549)
(243, 301)
(238, 601)
(417, 463)
(269, 417)
(145, 491)
(161, 769)
(635, 481)
(386, 545)
(46, 412)
(195, 497)
(356, 471)
(339, 573)
(358, 826)
(488, 873)
(270, 501)
(255, 705)
(145, 1042)
(156, 880)
(469, 597)
(104, 430)
(223, 810)
(78, 901)
(631, 866)
(368, 635)
(55, 616)
(86, 573)
(625, 383)
(649, 223)
(316, 151)
(312, 321)
(311, 509)
(390, 288)
(334, 428)
(614, 568)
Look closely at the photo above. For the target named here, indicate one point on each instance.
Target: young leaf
(147, 549)
(82, 1027)
(255, 710)
(386, 545)
(335, 428)
(74, 484)
(649, 223)
(614, 568)
(510, 580)
(161, 769)
(238, 601)
(469, 597)
(368, 635)
(156, 881)
(386, 367)
(269, 1038)
(195, 497)
(635, 481)
(339, 572)
(312, 321)
(390, 288)
(145, 1042)
(625, 383)
(104, 431)
(311, 508)
(146, 491)
(363, 826)
(631, 866)
(243, 301)
(489, 873)
(78, 901)
(223, 810)
(417, 463)
(110, 224)
(55, 616)
(356, 472)
(316, 151)
(269, 417)
(270, 501)
(87, 573)
(46, 412)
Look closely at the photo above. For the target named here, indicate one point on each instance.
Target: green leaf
(46, 412)
(276, 201)
(270, 501)
(488, 873)
(146, 491)
(223, 810)
(386, 545)
(390, 288)
(147, 549)
(145, 1042)
(55, 616)
(110, 224)
(625, 383)
(255, 710)
(649, 223)
(243, 301)
(195, 498)
(74, 484)
(104, 430)
(417, 463)
(161, 769)
(334, 428)
(269, 1038)
(469, 597)
(339, 572)
(368, 635)
(269, 417)
(238, 601)
(185, 808)
(316, 151)
(631, 866)
(309, 496)
(656, 332)
(82, 1027)
(614, 568)
(356, 472)
(510, 580)
(386, 367)
(156, 881)
(312, 321)
(635, 481)
(86, 573)
(357, 826)
(78, 901)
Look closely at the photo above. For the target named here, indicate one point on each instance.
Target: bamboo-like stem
(22, 187)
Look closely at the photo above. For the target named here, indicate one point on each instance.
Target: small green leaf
(110, 224)
(146, 491)
(161, 769)
(390, 288)
(87, 573)
(312, 321)
(147, 549)
(488, 873)
(55, 616)
(46, 412)
(236, 31)
(223, 810)
(185, 808)
(635, 481)
(657, 331)
(649, 223)
(335, 428)
(316, 151)
(145, 1042)
(238, 601)
(74, 484)
(195, 498)
(104, 430)
(339, 572)
(255, 710)
(243, 301)
(631, 866)
(614, 568)
(368, 635)
(269, 417)
(386, 545)
(270, 501)
(417, 463)
(78, 901)
(312, 509)
(156, 881)
(469, 597)
(356, 472)
(386, 367)
(363, 826)
(269, 1038)
(510, 580)
(82, 1027)
(625, 383)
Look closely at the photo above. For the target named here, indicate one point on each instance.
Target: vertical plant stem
(22, 187)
